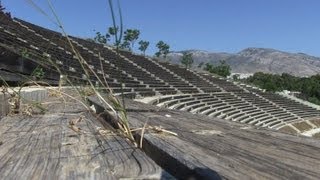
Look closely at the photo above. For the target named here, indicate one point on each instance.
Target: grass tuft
(111, 101)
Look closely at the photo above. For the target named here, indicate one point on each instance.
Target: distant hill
(253, 60)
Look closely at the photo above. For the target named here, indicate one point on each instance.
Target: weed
(14, 104)
(73, 124)
(28, 110)
(111, 101)
(24, 53)
(38, 73)
(87, 91)
(115, 106)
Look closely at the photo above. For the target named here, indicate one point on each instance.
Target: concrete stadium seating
(136, 76)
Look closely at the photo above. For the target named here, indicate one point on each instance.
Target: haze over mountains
(253, 60)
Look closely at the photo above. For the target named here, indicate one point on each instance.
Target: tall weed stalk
(111, 101)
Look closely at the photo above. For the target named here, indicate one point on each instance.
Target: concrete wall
(27, 94)
(4, 105)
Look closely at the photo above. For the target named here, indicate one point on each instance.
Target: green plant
(223, 69)
(38, 73)
(309, 87)
(130, 36)
(125, 45)
(113, 105)
(314, 100)
(24, 53)
(119, 108)
(111, 102)
(187, 59)
(235, 77)
(113, 31)
(163, 49)
(143, 46)
(101, 39)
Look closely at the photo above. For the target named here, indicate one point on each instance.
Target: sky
(211, 25)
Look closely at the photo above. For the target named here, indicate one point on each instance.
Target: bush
(309, 87)
(223, 69)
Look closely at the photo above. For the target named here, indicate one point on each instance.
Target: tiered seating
(114, 76)
(151, 66)
(133, 75)
(191, 77)
(135, 71)
(223, 83)
(290, 105)
(39, 48)
(266, 106)
(62, 43)
(12, 42)
(222, 105)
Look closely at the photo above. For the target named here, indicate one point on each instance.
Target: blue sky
(212, 25)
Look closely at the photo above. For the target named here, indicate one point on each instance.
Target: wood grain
(211, 148)
(46, 147)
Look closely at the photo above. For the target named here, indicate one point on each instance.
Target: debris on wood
(14, 104)
(104, 132)
(206, 132)
(28, 110)
(54, 93)
(73, 122)
(159, 129)
(142, 132)
(155, 129)
(4, 89)
(75, 128)
(93, 109)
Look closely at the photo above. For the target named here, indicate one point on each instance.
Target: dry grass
(111, 101)
(316, 122)
(302, 126)
(288, 129)
(317, 136)
(79, 94)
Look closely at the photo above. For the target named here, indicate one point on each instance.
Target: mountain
(253, 60)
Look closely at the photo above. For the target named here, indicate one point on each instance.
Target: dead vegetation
(79, 93)
(288, 129)
(302, 126)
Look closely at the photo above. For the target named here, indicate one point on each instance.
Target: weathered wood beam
(68, 142)
(213, 148)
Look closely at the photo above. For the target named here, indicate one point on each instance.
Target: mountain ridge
(253, 59)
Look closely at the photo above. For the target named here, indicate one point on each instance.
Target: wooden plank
(213, 148)
(46, 147)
